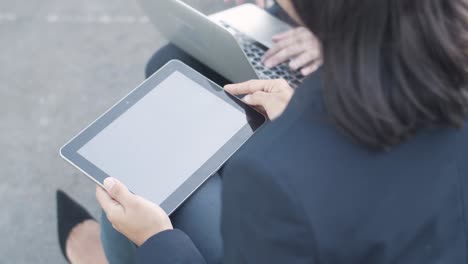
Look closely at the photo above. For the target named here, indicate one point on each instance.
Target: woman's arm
(170, 246)
(146, 225)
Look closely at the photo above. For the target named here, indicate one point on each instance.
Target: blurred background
(62, 64)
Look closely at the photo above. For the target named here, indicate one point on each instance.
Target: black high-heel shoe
(69, 215)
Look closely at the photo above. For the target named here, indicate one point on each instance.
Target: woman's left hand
(299, 46)
(130, 214)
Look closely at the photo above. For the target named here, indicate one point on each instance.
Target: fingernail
(246, 98)
(268, 64)
(109, 183)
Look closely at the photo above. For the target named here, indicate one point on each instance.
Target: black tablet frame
(255, 120)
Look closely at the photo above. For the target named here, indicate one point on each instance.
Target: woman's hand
(269, 96)
(131, 215)
(298, 45)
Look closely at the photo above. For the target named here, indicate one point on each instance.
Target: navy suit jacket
(302, 192)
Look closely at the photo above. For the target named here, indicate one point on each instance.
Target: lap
(200, 218)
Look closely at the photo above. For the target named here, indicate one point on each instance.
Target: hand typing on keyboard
(299, 46)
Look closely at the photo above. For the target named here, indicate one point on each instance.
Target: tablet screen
(155, 146)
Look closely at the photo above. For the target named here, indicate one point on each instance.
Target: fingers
(282, 51)
(114, 199)
(268, 96)
(248, 87)
(311, 68)
(299, 45)
(284, 35)
(303, 59)
(265, 101)
(288, 45)
(111, 207)
(280, 44)
(253, 86)
(284, 55)
(118, 191)
(258, 99)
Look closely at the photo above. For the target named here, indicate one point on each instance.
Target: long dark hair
(391, 67)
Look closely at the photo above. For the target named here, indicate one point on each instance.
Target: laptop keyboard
(255, 52)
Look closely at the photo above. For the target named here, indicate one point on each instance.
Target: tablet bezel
(255, 120)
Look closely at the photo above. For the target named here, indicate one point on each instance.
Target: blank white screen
(164, 138)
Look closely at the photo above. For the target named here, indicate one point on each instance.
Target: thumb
(268, 101)
(117, 190)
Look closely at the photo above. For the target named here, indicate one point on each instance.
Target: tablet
(165, 138)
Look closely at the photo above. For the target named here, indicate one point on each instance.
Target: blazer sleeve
(262, 222)
(171, 246)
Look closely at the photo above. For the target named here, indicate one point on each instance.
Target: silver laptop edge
(200, 37)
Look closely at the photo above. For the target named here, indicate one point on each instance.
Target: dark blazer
(302, 192)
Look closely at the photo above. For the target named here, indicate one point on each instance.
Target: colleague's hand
(131, 215)
(298, 45)
(260, 3)
(269, 96)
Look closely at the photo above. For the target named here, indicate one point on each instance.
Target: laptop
(231, 42)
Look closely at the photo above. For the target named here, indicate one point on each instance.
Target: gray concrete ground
(62, 63)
